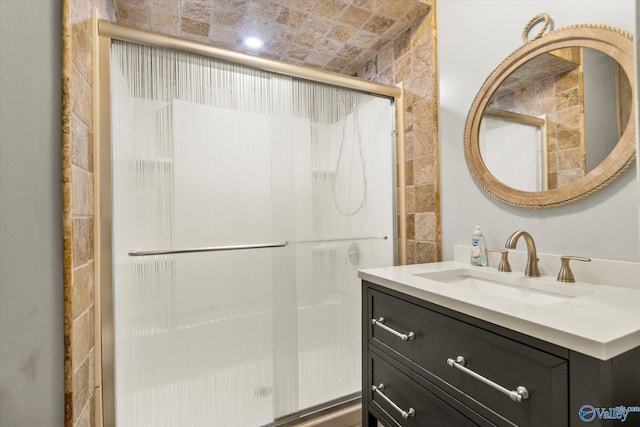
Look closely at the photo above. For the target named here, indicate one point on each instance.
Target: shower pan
(237, 201)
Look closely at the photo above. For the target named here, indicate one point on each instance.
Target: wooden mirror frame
(612, 41)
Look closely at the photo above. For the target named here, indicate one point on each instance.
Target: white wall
(600, 106)
(474, 36)
(31, 304)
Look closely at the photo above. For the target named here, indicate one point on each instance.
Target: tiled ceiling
(335, 35)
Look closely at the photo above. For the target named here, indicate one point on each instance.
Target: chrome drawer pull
(403, 337)
(518, 395)
(405, 414)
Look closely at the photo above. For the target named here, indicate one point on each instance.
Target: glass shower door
(209, 159)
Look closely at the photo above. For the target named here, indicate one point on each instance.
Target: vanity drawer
(420, 406)
(505, 362)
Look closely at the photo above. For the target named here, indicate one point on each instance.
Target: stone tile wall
(410, 60)
(77, 176)
(335, 35)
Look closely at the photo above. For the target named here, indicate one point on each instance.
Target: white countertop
(603, 323)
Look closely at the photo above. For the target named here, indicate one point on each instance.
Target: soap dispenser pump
(478, 248)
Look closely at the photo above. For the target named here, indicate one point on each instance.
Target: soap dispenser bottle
(478, 248)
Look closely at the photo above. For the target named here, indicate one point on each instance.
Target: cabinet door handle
(405, 414)
(516, 395)
(403, 337)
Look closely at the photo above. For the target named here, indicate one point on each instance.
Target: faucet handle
(504, 261)
(565, 274)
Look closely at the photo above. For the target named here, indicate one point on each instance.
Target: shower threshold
(341, 412)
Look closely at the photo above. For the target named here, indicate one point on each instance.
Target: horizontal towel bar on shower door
(248, 246)
(339, 239)
(208, 249)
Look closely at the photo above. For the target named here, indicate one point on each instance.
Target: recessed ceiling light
(252, 42)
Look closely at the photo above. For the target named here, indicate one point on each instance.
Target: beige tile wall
(77, 129)
(408, 59)
(335, 35)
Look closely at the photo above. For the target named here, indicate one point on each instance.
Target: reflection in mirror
(513, 148)
(555, 118)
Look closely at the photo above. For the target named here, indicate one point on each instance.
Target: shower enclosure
(240, 204)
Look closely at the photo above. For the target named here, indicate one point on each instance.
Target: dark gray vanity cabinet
(425, 365)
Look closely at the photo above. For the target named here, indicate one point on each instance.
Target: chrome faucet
(532, 256)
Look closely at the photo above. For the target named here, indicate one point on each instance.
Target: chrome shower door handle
(404, 337)
(517, 395)
(405, 414)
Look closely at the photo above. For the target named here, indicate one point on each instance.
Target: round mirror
(554, 121)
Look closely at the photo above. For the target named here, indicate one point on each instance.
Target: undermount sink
(527, 290)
